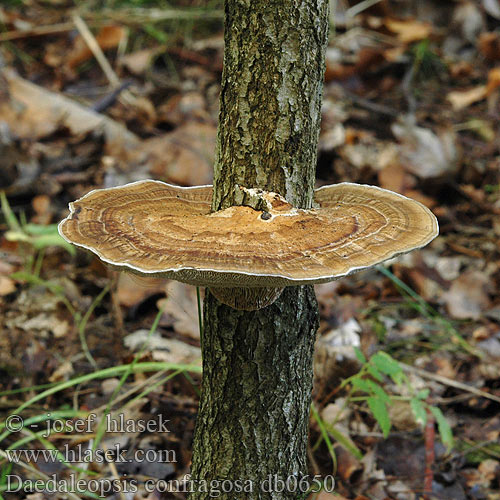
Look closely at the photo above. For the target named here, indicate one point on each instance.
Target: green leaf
(373, 371)
(49, 240)
(39, 230)
(359, 355)
(344, 440)
(399, 378)
(443, 427)
(8, 213)
(377, 390)
(386, 364)
(379, 411)
(423, 394)
(361, 385)
(418, 410)
(35, 280)
(326, 437)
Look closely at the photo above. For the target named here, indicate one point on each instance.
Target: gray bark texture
(257, 365)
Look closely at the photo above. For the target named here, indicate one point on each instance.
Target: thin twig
(371, 106)
(449, 382)
(139, 16)
(114, 471)
(360, 7)
(95, 48)
(52, 29)
(126, 96)
(36, 472)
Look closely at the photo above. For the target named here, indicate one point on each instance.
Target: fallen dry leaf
(468, 295)
(347, 464)
(184, 156)
(62, 372)
(393, 177)
(163, 349)
(138, 62)
(461, 99)
(132, 289)
(469, 19)
(368, 58)
(423, 152)
(7, 285)
(448, 267)
(489, 45)
(33, 112)
(182, 305)
(487, 471)
(410, 30)
(108, 37)
(336, 412)
(334, 352)
(493, 80)
(492, 7)
(44, 323)
(178, 352)
(491, 347)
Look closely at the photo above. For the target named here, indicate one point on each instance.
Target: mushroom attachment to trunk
(243, 254)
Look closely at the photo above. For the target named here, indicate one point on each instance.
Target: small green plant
(492, 188)
(369, 380)
(424, 309)
(163, 371)
(426, 62)
(34, 239)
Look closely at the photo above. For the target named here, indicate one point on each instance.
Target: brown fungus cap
(151, 227)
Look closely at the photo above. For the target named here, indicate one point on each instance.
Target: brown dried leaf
(62, 372)
(108, 37)
(414, 194)
(347, 464)
(423, 152)
(163, 349)
(33, 112)
(489, 45)
(469, 19)
(493, 81)
(492, 7)
(409, 30)
(7, 285)
(468, 295)
(138, 62)
(133, 289)
(393, 177)
(461, 99)
(184, 156)
(181, 303)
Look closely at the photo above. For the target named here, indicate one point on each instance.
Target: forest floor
(96, 96)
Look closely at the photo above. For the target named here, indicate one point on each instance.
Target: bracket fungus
(246, 253)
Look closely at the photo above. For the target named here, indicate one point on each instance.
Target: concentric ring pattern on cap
(151, 227)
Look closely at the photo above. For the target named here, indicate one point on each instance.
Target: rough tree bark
(257, 366)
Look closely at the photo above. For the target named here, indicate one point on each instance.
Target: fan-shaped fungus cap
(151, 227)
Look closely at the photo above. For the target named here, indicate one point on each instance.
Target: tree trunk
(257, 365)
